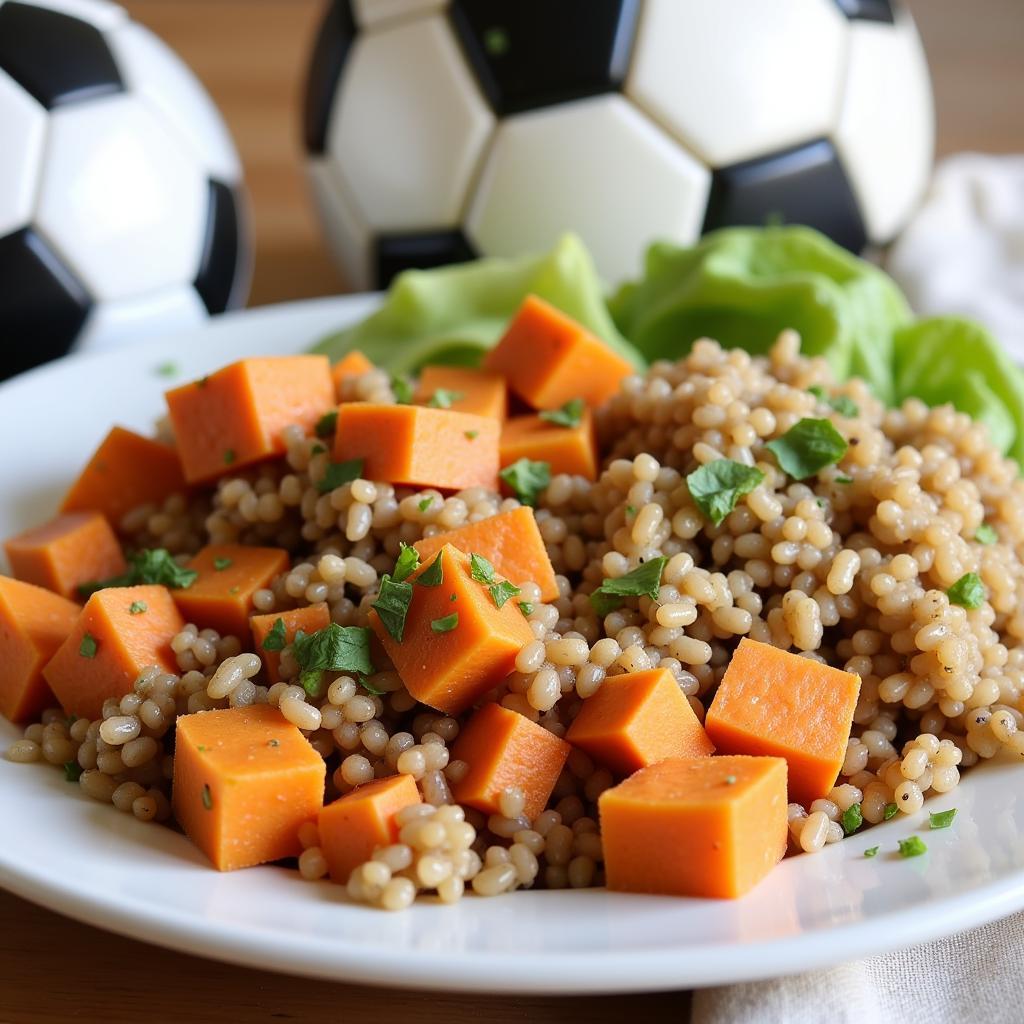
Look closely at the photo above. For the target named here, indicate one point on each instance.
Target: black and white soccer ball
(440, 129)
(121, 211)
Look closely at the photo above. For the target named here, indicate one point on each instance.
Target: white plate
(91, 862)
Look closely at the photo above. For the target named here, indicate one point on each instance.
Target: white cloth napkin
(976, 977)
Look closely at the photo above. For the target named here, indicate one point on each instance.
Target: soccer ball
(120, 203)
(439, 130)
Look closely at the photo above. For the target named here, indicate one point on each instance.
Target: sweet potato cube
(77, 547)
(309, 619)
(411, 444)
(234, 417)
(120, 631)
(245, 780)
(636, 719)
(703, 826)
(775, 703)
(127, 470)
(482, 392)
(448, 664)
(353, 826)
(33, 623)
(510, 541)
(548, 358)
(504, 749)
(352, 364)
(229, 574)
(570, 450)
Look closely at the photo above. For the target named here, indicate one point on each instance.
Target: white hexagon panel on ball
(599, 167)
(23, 127)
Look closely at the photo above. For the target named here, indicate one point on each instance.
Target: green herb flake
(207, 798)
(890, 811)
(339, 473)
(167, 369)
(842, 404)
(730, 780)
(480, 569)
(526, 607)
(402, 388)
(220, 564)
(631, 510)
(155, 565)
(446, 624)
(331, 649)
(392, 605)
(471, 435)
(717, 486)
(852, 819)
(502, 592)
(912, 847)
(433, 575)
(229, 456)
(527, 479)
(72, 771)
(234, 590)
(327, 424)
(442, 398)
(453, 597)
(569, 415)
(276, 639)
(137, 607)
(968, 591)
(986, 534)
(643, 581)
(425, 503)
(871, 851)
(844, 479)
(807, 447)
(317, 449)
(942, 819)
(407, 563)
(201, 748)
(88, 647)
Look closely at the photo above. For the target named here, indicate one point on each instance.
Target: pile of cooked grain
(850, 567)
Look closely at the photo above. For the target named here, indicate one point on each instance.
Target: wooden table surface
(250, 54)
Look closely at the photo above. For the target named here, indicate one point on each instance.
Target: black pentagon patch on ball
(533, 53)
(868, 10)
(56, 58)
(802, 185)
(418, 251)
(219, 263)
(330, 51)
(42, 304)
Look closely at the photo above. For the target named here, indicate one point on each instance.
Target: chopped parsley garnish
(220, 564)
(569, 415)
(433, 575)
(446, 624)
(631, 510)
(325, 426)
(871, 851)
(168, 370)
(339, 473)
(402, 388)
(453, 597)
(207, 798)
(912, 847)
(986, 534)
(229, 456)
(137, 607)
(480, 569)
(317, 449)
(407, 563)
(331, 649)
(72, 771)
(526, 607)
(425, 503)
(643, 581)
(276, 639)
(442, 398)
(890, 811)
(844, 479)
(392, 605)
(527, 479)
(843, 404)
(968, 591)
(471, 435)
(942, 819)
(852, 819)
(718, 485)
(88, 647)
(502, 592)
(808, 446)
(147, 566)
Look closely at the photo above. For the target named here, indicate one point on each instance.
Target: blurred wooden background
(252, 54)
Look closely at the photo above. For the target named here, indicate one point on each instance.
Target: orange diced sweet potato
(229, 574)
(636, 719)
(775, 703)
(449, 668)
(78, 547)
(127, 470)
(120, 631)
(704, 826)
(411, 444)
(245, 780)
(570, 450)
(548, 358)
(353, 826)
(510, 541)
(481, 392)
(309, 619)
(505, 749)
(33, 623)
(234, 417)
(352, 364)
